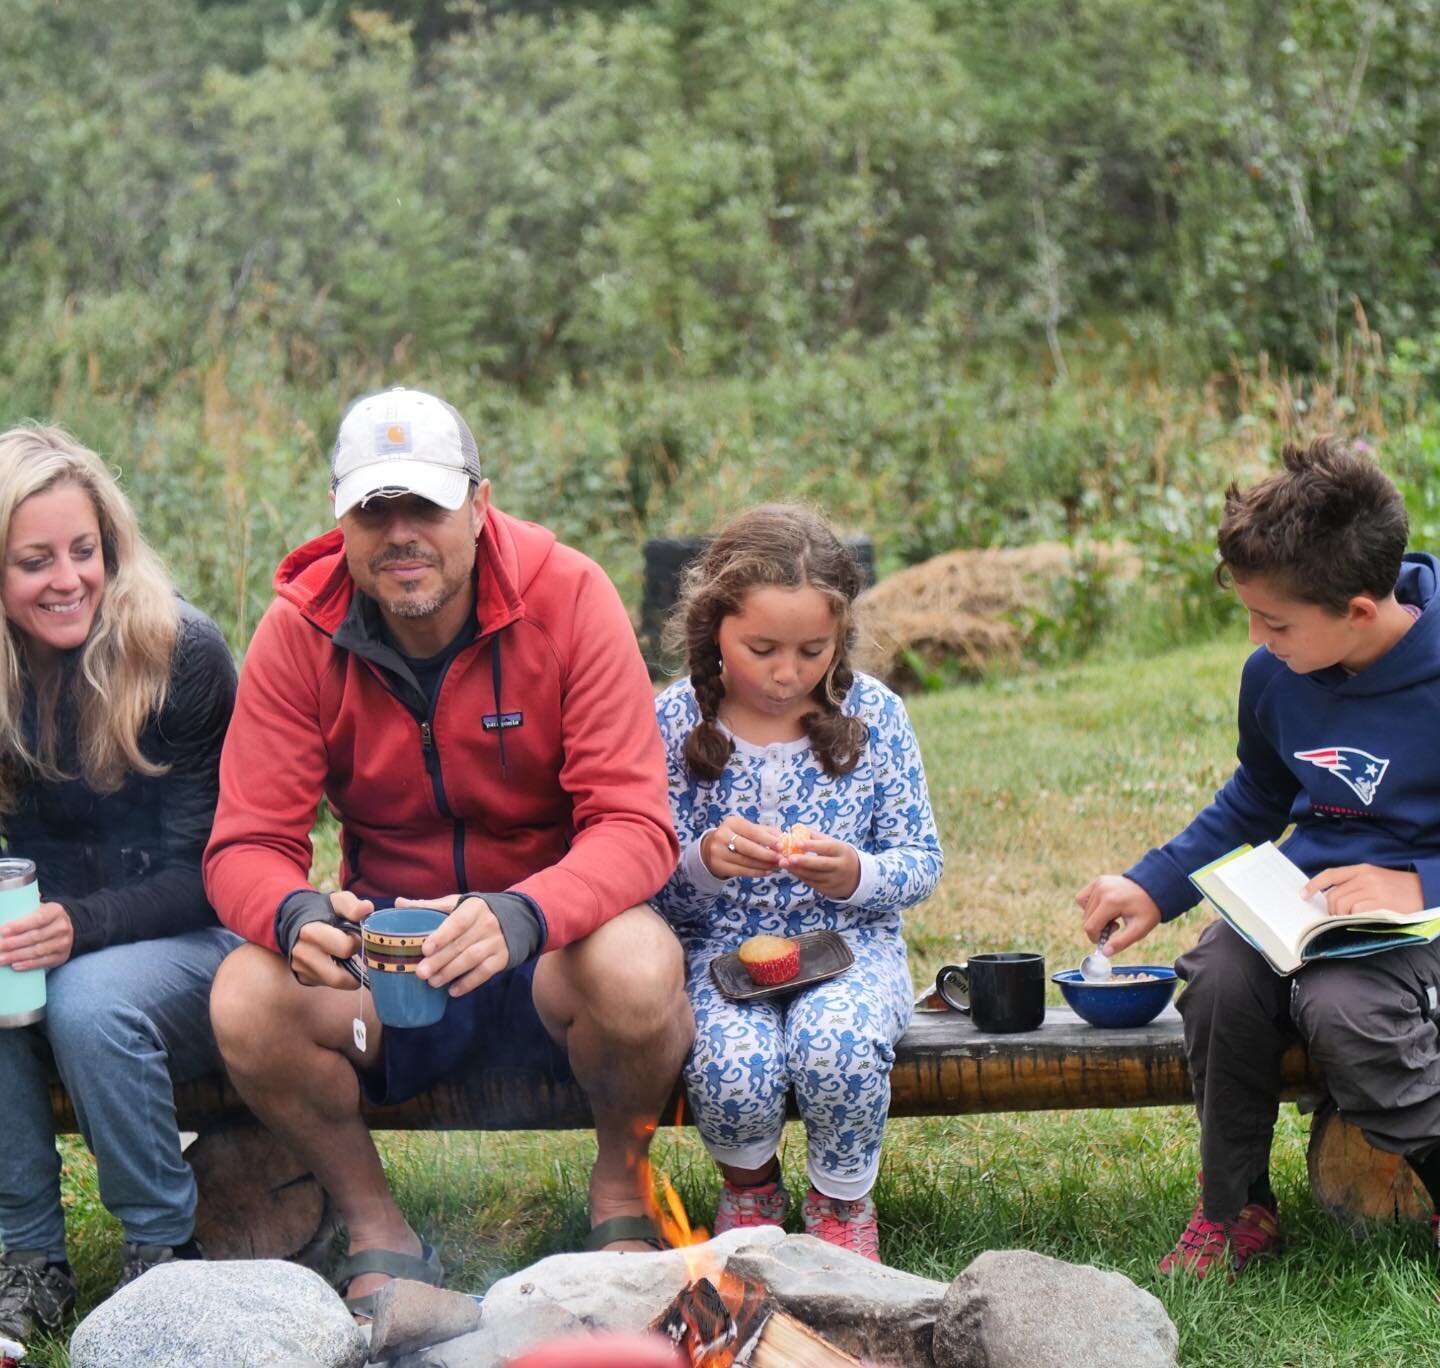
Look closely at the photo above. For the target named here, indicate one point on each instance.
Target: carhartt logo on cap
(391, 438)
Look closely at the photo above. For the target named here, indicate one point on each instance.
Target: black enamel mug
(1001, 993)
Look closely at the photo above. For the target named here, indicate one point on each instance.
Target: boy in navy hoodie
(1339, 722)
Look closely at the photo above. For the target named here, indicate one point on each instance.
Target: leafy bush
(962, 273)
(686, 188)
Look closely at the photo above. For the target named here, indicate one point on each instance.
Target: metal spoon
(1095, 967)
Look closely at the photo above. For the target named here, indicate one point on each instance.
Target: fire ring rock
(1012, 1308)
(186, 1313)
(876, 1312)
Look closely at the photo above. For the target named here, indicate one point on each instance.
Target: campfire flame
(664, 1206)
(674, 1219)
(720, 1319)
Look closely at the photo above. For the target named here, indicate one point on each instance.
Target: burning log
(702, 1327)
(735, 1325)
(725, 1320)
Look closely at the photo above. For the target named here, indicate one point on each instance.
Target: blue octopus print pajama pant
(833, 1044)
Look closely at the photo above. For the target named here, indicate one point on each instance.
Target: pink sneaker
(741, 1207)
(847, 1225)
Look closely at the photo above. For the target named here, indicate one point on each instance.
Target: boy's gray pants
(1369, 1027)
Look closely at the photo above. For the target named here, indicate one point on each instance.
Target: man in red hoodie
(467, 695)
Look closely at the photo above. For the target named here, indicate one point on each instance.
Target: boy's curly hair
(790, 547)
(1329, 527)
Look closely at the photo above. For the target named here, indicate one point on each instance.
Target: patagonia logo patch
(391, 438)
(502, 721)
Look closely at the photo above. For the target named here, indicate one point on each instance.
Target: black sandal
(624, 1228)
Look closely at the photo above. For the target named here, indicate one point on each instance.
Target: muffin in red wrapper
(770, 959)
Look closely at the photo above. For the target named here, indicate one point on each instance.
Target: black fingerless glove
(298, 909)
(521, 923)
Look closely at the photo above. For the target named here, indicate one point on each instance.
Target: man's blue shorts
(494, 1028)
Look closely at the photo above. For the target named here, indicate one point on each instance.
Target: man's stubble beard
(407, 606)
(419, 608)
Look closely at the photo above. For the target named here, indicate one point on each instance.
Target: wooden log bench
(943, 1067)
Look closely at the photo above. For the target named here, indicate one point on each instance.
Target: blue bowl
(1119, 1004)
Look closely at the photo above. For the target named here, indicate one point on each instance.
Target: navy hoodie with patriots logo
(1351, 761)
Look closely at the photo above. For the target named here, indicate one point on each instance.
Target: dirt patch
(967, 608)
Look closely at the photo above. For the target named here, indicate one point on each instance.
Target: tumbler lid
(15, 872)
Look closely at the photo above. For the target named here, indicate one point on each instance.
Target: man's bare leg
(291, 1054)
(616, 1001)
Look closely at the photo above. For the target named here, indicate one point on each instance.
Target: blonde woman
(114, 698)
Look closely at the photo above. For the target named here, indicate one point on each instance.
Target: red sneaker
(1253, 1235)
(847, 1225)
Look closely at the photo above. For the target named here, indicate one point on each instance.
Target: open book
(1258, 891)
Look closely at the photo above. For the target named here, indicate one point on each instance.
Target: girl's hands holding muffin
(829, 866)
(739, 849)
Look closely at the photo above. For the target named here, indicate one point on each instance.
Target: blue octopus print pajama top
(832, 1043)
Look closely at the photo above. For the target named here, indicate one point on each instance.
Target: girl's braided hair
(788, 547)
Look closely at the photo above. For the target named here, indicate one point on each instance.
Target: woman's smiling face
(54, 574)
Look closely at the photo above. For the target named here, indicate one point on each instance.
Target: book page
(1265, 880)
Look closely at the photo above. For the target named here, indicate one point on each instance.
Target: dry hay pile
(971, 608)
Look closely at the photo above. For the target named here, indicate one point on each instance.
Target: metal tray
(823, 954)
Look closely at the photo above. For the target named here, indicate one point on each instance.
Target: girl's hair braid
(707, 748)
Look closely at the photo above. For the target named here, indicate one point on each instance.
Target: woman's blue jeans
(122, 1026)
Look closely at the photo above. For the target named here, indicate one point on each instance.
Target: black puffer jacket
(126, 865)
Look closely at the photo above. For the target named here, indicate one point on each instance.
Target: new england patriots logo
(1359, 770)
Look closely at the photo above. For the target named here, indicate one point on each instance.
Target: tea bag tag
(357, 1027)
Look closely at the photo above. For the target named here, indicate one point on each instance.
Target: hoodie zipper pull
(426, 740)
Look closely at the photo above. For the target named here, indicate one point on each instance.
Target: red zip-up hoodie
(539, 770)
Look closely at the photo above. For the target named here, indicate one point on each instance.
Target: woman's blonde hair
(120, 680)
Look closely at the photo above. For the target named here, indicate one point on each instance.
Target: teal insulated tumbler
(22, 994)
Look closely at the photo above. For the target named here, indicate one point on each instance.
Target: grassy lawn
(1038, 782)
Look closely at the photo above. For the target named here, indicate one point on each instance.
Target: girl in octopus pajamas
(772, 728)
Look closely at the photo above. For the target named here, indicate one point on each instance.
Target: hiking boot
(1253, 1235)
(34, 1294)
(742, 1207)
(847, 1225)
(138, 1259)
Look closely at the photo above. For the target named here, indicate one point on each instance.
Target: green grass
(1039, 781)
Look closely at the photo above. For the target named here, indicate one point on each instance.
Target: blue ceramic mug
(392, 942)
(22, 992)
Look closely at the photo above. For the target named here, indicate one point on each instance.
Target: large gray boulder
(868, 1309)
(1012, 1308)
(244, 1314)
